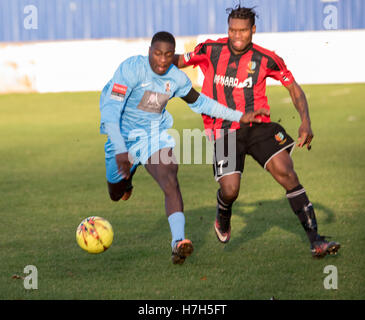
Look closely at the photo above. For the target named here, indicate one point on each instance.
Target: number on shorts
(220, 164)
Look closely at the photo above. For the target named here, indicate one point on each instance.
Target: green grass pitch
(52, 176)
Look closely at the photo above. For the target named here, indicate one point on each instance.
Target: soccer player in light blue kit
(133, 115)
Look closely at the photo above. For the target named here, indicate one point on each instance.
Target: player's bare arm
(179, 61)
(305, 134)
(192, 97)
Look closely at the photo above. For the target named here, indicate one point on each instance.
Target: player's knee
(117, 190)
(229, 193)
(292, 177)
(289, 176)
(115, 196)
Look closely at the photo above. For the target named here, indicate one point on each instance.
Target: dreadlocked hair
(239, 12)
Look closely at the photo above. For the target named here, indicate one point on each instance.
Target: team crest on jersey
(280, 138)
(118, 92)
(167, 86)
(251, 66)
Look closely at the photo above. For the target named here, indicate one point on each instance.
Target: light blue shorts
(140, 149)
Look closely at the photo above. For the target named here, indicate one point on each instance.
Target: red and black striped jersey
(236, 81)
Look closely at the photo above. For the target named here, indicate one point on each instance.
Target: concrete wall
(86, 65)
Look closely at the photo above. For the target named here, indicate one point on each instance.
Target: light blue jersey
(133, 111)
(135, 99)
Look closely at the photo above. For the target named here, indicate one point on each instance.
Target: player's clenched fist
(251, 116)
(123, 164)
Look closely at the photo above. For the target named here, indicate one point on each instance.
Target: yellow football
(94, 234)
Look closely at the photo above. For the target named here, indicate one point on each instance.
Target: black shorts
(261, 141)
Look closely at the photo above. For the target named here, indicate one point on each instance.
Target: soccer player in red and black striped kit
(235, 72)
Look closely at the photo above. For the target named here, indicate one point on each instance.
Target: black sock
(302, 207)
(224, 212)
(222, 207)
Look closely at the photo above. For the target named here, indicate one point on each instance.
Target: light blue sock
(177, 226)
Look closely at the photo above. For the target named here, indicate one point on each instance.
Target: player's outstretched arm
(305, 134)
(112, 103)
(200, 103)
(179, 61)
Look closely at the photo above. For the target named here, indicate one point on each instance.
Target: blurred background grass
(52, 176)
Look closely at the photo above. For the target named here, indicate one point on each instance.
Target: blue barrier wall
(33, 20)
